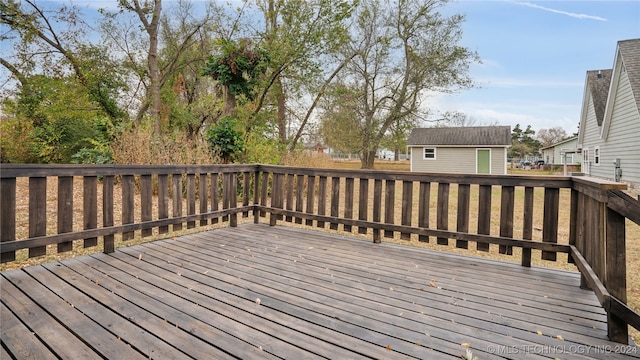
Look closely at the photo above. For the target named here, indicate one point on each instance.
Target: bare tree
(551, 136)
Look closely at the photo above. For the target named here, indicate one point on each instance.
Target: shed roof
(462, 136)
(630, 54)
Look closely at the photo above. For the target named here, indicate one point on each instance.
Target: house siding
(623, 138)
(457, 160)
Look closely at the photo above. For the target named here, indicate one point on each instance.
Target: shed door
(483, 161)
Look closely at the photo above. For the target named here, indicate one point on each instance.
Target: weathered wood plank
(322, 199)
(65, 210)
(246, 191)
(128, 204)
(527, 224)
(484, 214)
(335, 201)
(389, 205)
(290, 188)
(264, 191)
(90, 207)
(443, 211)
(507, 209)
(311, 195)
(407, 207)
(423, 208)
(163, 201)
(8, 218)
(363, 203)
(20, 341)
(550, 220)
(215, 196)
(348, 201)
(107, 212)
(464, 195)
(37, 212)
(300, 183)
(191, 199)
(616, 273)
(204, 197)
(146, 198)
(176, 203)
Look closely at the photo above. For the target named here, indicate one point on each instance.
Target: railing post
(256, 195)
(8, 218)
(37, 212)
(616, 273)
(377, 204)
(107, 212)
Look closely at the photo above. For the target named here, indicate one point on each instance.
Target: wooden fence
(480, 209)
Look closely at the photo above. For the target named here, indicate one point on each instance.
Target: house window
(585, 156)
(596, 155)
(429, 153)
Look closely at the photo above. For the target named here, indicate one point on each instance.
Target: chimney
(599, 74)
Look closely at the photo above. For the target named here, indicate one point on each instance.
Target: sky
(534, 55)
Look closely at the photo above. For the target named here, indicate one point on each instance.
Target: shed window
(429, 153)
(596, 155)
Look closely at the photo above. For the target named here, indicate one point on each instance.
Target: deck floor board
(320, 295)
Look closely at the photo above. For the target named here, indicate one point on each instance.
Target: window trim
(424, 153)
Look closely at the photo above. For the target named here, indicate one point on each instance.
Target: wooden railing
(581, 217)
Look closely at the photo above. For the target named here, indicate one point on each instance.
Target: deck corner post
(256, 196)
(616, 273)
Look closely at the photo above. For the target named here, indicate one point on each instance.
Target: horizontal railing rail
(60, 204)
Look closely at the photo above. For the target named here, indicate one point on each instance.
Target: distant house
(610, 119)
(556, 154)
(465, 150)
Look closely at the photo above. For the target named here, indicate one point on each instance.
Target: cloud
(561, 12)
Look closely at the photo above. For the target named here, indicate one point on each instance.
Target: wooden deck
(256, 292)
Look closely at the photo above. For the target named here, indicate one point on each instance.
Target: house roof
(573, 138)
(462, 136)
(598, 82)
(630, 54)
(627, 60)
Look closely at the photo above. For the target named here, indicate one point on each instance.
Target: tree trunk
(367, 159)
(229, 103)
(282, 115)
(396, 154)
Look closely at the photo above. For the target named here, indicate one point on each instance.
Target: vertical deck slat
(8, 218)
(256, 196)
(65, 210)
(276, 197)
(484, 215)
(215, 196)
(335, 200)
(225, 194)
(191, 199)
(550, 220)
(616, 273)
(573, 220)
(377, 205)
(407, 207)
(443, 211)
(311, 190)
(389, 205)
(163, 201)
(507, 208)
(299, 196)
(176, 182)
(527, 224)
(233, 198)
(363, 203)
(246, 186)
(146, 197)
(90, 207)
(290, 187)
(424, 206)
(37, 212)
(322, 199)
(204, 197)
(107, 212)
(128, 204)
(462, 225)
(348, 201)
(263, 194)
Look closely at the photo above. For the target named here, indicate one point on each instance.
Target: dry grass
(633, 230)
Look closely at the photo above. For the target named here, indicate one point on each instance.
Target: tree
(551, 136)
(404, 49)
(523, 143)
(224, 139)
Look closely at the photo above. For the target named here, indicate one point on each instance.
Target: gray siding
(623, 140)
(456, 160)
